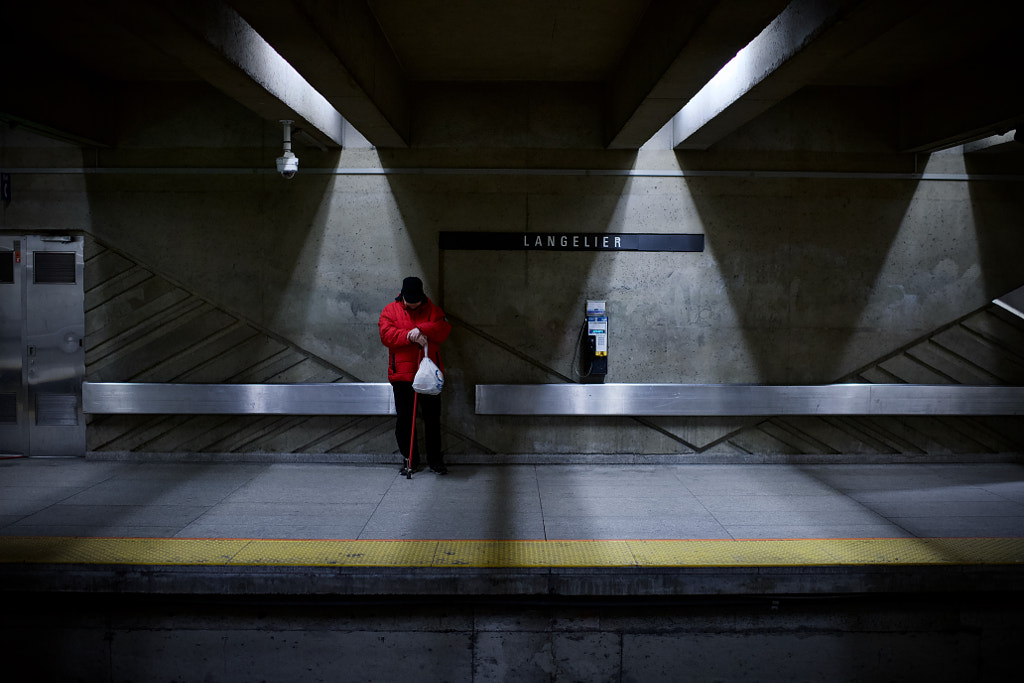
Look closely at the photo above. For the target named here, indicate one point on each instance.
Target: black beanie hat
(412, 290)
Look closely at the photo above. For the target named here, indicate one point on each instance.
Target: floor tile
(744, 531)
(609, 528)
(751, 504)
(938, 509)
(25, 500)
(646, 506)
(98, 516)
(153, 492)
(966, 527)
(801, 517)
(927, 495)
(526, 502)
(98, 531)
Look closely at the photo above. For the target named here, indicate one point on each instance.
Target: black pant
(429, 409)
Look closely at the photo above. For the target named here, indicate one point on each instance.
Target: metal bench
(341, 398)
(356, 398)
(744, 399)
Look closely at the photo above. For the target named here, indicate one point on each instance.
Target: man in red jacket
(407, 325)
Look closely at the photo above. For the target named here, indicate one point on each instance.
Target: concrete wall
(891, 637)
(807, 276)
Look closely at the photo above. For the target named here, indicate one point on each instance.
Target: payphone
(594, 349)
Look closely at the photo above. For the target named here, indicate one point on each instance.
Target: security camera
(288, 164)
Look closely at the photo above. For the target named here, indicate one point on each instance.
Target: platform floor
(375, 530)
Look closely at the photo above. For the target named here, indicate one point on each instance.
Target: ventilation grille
(57, 410)
(54, 267)
(8, 409)
(6, 267)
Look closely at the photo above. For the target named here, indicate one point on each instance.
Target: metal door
(41, 331)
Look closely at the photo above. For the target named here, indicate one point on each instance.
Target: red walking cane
(412, 436)
(412, 430)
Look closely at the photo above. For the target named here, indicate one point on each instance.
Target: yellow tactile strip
(511, 554)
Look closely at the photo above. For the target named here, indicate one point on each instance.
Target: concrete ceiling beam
(976, 98)
(215, 42)
(804, 40)
(677, 48)
(341, 51)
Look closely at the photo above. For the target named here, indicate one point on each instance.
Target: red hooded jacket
(396, 320)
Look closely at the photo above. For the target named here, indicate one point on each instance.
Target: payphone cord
(579, 345)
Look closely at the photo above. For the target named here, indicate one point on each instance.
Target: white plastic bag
(429, 378)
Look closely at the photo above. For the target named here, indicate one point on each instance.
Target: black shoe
(440, 469)
(415, 468)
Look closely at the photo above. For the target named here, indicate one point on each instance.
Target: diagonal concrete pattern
(982, 348)
(135, 316)
(143, 327)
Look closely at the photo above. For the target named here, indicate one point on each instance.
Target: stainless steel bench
(743, 399)
(340, 398)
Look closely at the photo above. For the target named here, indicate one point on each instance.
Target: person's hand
(417, 337)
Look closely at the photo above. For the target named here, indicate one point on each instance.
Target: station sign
(570, 241)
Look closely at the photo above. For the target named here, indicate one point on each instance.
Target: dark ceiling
(953, 67)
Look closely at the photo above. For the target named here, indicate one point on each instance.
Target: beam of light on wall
(934, 264)
(682, 333)
(343, 233)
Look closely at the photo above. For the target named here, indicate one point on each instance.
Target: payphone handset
(597, 338)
